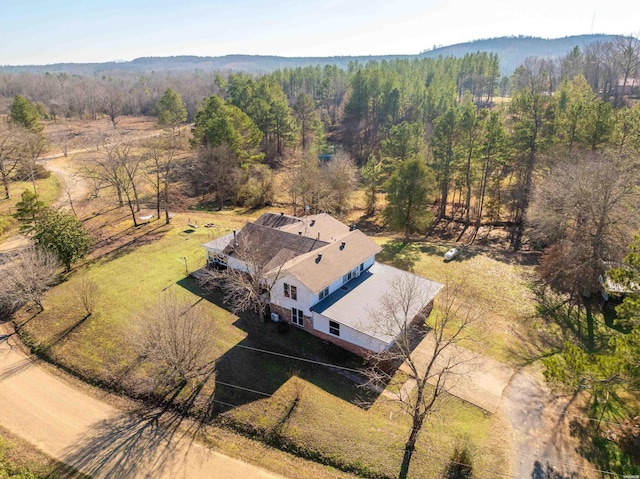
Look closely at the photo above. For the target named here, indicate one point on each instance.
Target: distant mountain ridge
(511, 50)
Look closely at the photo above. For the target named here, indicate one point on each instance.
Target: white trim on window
(324, 293)
(297, 317)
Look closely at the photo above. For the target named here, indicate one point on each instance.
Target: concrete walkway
(97, 438)
(474, 378)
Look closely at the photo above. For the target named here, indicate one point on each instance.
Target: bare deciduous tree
(111, 101)
(585, 213)
(339, 179)
(121, 169)
(437, 370)
(32, 272)
(177, 338)
(214, 170)
(88, 292)
(247, 286)
(160, 153)
(10, 151)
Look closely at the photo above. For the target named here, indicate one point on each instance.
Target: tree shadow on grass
(599, 447)
(151, 234)
(62, 335)
(557, 320)
(267, 358)
(400, 254)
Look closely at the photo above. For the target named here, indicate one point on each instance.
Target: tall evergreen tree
(409, 192)
(171, 110)
(25, 113)
(63, 234)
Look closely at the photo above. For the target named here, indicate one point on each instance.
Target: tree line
(484, 155)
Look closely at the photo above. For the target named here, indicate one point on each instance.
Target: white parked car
(452, 253)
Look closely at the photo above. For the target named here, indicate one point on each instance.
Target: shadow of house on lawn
(269, 357)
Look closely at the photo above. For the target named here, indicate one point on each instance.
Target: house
(325, 278)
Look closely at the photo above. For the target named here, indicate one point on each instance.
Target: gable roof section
(338, 258)
(356, 305)
(321, 226)
(261, 245)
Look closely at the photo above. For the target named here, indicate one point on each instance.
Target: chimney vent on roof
(235, 239)
(300, 233)
(342, 245)
(313, 222)
(319, 257)
(282, 213)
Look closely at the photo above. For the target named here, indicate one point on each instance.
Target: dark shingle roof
(275, 220)
(260, 244)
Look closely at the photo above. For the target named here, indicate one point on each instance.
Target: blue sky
(51, 31)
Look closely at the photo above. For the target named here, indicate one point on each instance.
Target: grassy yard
(308, 409)
(20, 460)
(48, 191)
(496, 284)
(251, 391)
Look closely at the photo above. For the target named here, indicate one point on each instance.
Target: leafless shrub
(88, 292)
(176, 337)
(32, 272)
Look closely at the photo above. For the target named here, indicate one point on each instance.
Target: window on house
(324, 293)
(334, 328)
(294, 292)
(297, 317)
(286, 291)
(361, 267)
(349, 276)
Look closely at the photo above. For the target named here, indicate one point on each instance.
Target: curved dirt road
(95, 437)
(89, 434)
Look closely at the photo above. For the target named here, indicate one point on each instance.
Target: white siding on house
(338, 282)
(350, 335)
(305, 297)
(230, 260)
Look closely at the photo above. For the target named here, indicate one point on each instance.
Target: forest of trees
(486, 139)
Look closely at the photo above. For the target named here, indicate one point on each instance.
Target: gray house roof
(263, 245)
(276, 220)
(357, 304)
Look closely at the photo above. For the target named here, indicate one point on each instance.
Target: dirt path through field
(73, 185)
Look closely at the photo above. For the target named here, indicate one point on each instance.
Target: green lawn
(20, 460)
(48, 190)
(495, 284)
(327, 424)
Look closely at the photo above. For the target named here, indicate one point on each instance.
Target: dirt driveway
(542, 446)
(474, 378)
